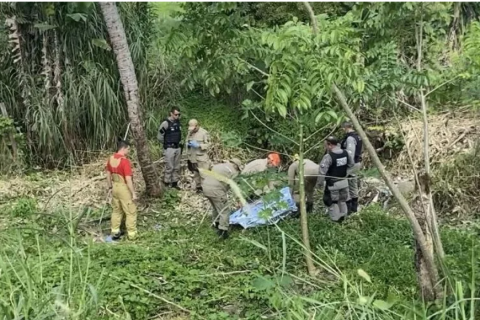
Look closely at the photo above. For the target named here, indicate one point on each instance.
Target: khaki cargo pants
(193, 167)
(220, 210)
(123, 206)
(310, 184)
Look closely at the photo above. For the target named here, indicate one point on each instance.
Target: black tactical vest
(339, 166)
(358, 150)
(173, 134)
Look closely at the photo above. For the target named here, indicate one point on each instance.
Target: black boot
(349, 207)
(117, 236)
(339, 220)
(223, 234)
(354, 205)
(175, 185)
(309, 207)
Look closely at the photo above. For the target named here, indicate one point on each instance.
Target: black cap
(347, 124)
(332, 140)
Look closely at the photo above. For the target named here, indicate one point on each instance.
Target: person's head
(122, 146)
(296, 157)
(193, 125)
(347, 126)
(175, 113)
(273, 159)
(331, 142)
(237, 163)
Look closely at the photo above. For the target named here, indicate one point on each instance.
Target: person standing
(216, 193)
(198, 141)
(333, 170)
(310, 174)
(120, 184)
(353, 144)
(170, 136)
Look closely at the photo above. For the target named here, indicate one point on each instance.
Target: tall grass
(460, 300)
(35, 286)
(94, 111)
(62, 276)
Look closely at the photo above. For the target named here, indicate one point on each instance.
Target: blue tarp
(249, 215)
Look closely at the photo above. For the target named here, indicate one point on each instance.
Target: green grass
(256, 273)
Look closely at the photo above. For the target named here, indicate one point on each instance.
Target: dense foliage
(182, 265)
(61, 87)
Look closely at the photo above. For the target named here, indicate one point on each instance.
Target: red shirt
(124, 167)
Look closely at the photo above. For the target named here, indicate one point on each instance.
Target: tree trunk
(431, 215)
(303, 209)
(128, 78)
(422, 212)
(452, 40)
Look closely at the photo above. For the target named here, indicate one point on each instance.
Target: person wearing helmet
(310, 174)
(353, 144)
(198, 143)
(216, 193)
(261, 165)
(333, 170)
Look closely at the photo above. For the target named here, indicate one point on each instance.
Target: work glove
(193, 144)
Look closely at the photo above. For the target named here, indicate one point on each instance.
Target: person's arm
(130, 187)
(161, 131)
(291, 174)
(351, 146)
(322, 169)
(205, 144)
(350, 161)
(128, 177)
(109, 180)
(109, 175)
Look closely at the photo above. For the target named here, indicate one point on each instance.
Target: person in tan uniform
(119, 181)
(310, 174)
(260, 165)
(216, 193)
(198, 141)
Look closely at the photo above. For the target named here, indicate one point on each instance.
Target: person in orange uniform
(120, 183)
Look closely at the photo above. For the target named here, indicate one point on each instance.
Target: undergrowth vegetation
(182, 269)
(456, 184)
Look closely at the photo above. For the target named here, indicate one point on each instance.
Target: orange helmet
(274, 159)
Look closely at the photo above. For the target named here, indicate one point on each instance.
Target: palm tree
(128, 78)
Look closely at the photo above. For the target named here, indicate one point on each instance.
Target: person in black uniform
(353, 144)
(333, 170)
(170, 136)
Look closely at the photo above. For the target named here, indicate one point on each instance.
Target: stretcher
(265, 212)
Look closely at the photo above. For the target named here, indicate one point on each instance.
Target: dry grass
(85, 186)
(450, 136)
